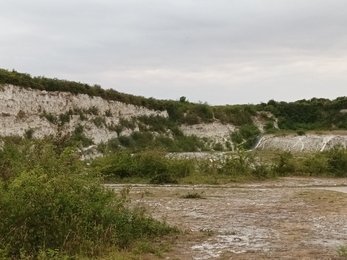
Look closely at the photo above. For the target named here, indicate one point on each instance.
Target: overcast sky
(219, 52)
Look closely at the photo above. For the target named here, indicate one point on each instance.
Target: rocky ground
(290, 218)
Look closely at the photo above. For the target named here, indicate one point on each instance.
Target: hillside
(93, 120)
(38, 107)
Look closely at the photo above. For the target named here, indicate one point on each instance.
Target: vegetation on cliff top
(181, 112)
(299, 116)
(313, 114)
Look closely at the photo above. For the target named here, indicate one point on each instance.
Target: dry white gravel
(290, 218)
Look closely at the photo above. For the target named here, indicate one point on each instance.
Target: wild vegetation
(53, 206)
(300, 116)
(313, 114)
(180, 112)
(157, 168)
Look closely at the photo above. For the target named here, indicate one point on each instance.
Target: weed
(78, 111)
(125, 123)
(64, 118)
(230, 233)
(92, 111)
(50, 117)
(99, 121)
(301, 132)
(29, 133)
(207, 231)
(342, 251)
(193, 195)
(108, 113)
(20, 115)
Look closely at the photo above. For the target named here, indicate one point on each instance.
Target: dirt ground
(290, 218)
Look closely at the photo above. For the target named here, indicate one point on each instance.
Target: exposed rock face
(22, 109)
(26, 109)
(305, 143)
(216, 132)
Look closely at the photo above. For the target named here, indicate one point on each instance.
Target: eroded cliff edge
(44, 113)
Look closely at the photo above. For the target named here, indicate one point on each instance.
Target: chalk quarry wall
(22, 109)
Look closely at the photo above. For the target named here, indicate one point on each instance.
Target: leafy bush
(193, 195)
(246, 136)
(29, 133)
(237, 165)
(125, 123)
(50, 118)
(218, 147)
(263, 171)
(156, 123)
(270, 128)
(64, 118)
(78, 136)
(315, 164)
(285, 164)
(78, 111)
(191, 119)
(108, 113)
(99, 121)
(337, 161)
(51, 205)
(301, 132)
(126, 141)
(148, 165)
(92, 111)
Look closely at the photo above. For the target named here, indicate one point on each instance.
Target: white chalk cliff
(23, 109)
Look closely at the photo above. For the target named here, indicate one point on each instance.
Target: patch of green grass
(342, 251)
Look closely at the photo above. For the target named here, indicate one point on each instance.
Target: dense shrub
(310, 114)
(337, 161)
(152, 166)
(270, 128)
(246, 136)
(65, 118)
(78, 136)
(285, 164)
(99, 121)
(50, 203)
(50, 117)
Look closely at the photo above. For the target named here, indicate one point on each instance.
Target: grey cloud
(215, 51)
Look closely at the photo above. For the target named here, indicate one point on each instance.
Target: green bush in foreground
(52, 207)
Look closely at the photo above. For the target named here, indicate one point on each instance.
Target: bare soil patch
(291, 218)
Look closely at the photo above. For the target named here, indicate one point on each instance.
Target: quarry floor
(289, 218)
